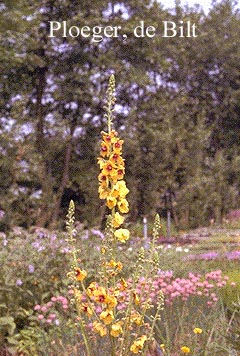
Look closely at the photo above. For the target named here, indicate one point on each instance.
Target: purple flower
(2, 213)
(202, 256)
(41, 234)
(31, 268)
(37, 245)
(19, 282)
(208, 256)
(233, 255)
(97, 233)
(53, 238)
(65, 250)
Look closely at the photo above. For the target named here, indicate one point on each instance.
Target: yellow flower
(109, 138)
(113, 264)
(80, 274)
(122, 234)
(104, 150)
(185, 349)
(78, 295)
(103, 193)
(123, 190)
(116, 329)
(136, 318)
(117, 146)
(138, 344)
(101, 162)
(103, 179)
(111, 202)
(107, 169)
(136, 298)
(123, 206)
(107, 316)
(197, 331)
(123, 284)
(115, 191)
(120, 173)
(162, 346)
(99, 328)
(85, 308)
(91, 289)
(119, 265)
(117, 220)
(120, 189)
(111, 301)
(117, 159)
(99, 295)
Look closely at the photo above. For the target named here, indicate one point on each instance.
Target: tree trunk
(45, 177)
(63, 183)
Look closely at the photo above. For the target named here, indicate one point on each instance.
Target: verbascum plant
(111, 308)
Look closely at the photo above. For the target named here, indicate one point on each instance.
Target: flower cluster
(177, 288)
(106, 310)
(98, 302)
(48, 312)
(112, 187)
(213, 255)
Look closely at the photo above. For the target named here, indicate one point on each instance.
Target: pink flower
(52, 316)
(40, 317)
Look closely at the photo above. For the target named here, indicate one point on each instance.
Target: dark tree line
(178, 111)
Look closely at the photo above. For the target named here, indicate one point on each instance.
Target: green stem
(85, 338)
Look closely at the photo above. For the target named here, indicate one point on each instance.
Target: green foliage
(180, 97)
(233, 336)
(23, 287)
(7, 326)
(230, 294)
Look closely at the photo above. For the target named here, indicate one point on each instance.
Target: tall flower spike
(156, 227)
(70, 220)
(112, 186)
